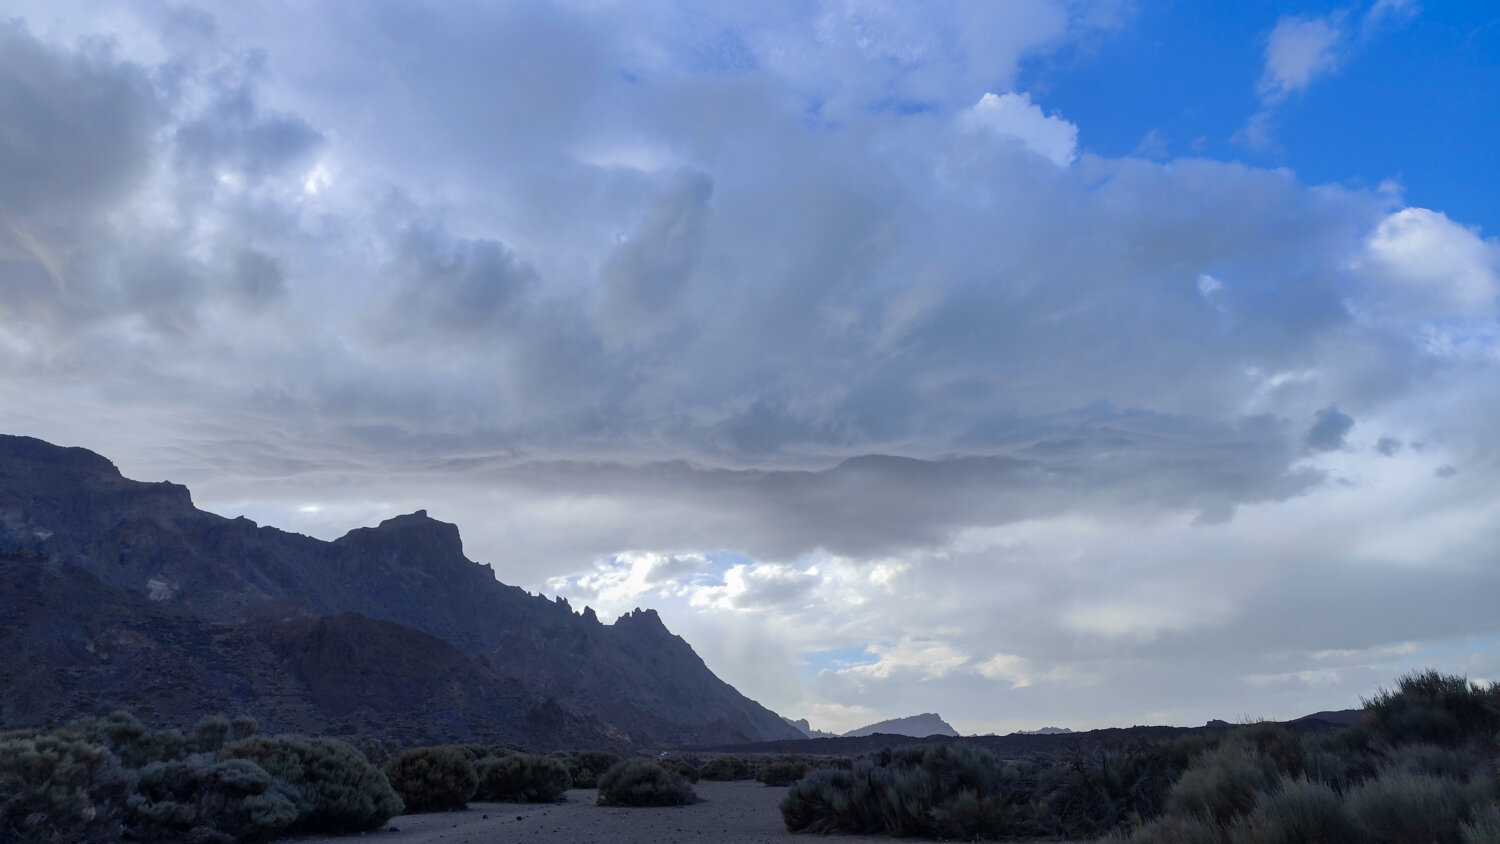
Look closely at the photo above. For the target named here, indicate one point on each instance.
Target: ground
(729, 812)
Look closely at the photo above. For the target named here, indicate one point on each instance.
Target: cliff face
(395, 597)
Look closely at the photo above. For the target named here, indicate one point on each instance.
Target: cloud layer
(806, 326)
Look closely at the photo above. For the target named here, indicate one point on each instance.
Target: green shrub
(681, 768)
(243, 727)
(725, 769)
(522, 778)
(335, 789)
(1222, 783)
(128, 739)
(1274, 742)
(210, 733)
(1405, 808)
(200, 800)
(951, 790)
(433, 779)
(1079, 794)
(59, 789)
(638, 782)
(1300, 811)
(782, 773)
(1436, 708)
(1424, 758)
(586, 766)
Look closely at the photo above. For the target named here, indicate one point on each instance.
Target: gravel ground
(730, 811)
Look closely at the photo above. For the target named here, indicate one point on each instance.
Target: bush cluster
(639, 782)
(782, 773)
(1422, 768)
(433, 779)
(522, 778)
(586, 766)
(726, 769)
(334, 788)
(112, 779)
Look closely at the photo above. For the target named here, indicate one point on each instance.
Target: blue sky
(1413, 98)
(1049, 362)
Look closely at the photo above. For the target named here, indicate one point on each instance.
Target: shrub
(1402, 807)
(243, 727)
(335, 789)
(433, 779)
(585, 767)
(1222, 783)
(210, 732)
(1437, 708)
(200, 800)
(1301, 811)
(128, 739)
(522, 778)
(1423, 758)
(1276, 743)
(54, 788)
(782, 773)
(1079, 794)
(638, 782)
(951, 790)
(726, 768)
(681, 768)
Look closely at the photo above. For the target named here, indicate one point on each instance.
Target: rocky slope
(392, 623)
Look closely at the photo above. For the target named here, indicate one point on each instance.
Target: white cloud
(1299, 50)
(922, 659)
(1014, 117)
(1430, 266)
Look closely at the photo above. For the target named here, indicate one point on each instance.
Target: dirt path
(731, 812)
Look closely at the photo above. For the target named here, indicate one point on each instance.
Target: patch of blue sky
(1414, 99)
(834, 659)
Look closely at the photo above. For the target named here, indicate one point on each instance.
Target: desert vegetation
(1422, 765)
(639, 782)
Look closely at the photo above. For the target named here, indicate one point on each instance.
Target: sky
(1048, 362)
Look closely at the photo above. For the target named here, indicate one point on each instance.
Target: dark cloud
(1329, 429)
(79, 130)
(645, 279)
(1388, 446)
(447, 284)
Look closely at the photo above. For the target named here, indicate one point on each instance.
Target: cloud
(1298, 51)
(1015, 118)
(1328, 431)
(774, 319)
(1302, 49)
(1425, 265)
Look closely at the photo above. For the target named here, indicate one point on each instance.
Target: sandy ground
(730, 811)
(740, 812)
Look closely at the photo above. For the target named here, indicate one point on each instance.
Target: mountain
(1045, 731)
(122, 593)
(919, 726)
(806, 729)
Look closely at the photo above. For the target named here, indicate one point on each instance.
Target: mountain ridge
(71, 511)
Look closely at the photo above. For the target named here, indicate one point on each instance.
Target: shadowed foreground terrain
(742, 811)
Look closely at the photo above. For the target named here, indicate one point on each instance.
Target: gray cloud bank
(598, 281)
